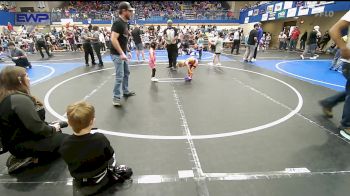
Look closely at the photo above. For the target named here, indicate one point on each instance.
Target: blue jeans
(332, 101)
(293, 44)
(336, 58)
(121, 76)
(345, 122)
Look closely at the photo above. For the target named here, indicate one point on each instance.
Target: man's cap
(125, 5)
(169, 21)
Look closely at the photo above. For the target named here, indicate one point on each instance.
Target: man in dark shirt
(119, 50)
(136, 36)
(18, 56)
(252, 43)
(311, 43)
(170, 36)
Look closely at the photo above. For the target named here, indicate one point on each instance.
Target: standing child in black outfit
(89, 156)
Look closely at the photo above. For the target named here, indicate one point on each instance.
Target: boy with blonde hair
(89, 156)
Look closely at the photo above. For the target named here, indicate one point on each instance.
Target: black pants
(43, 149)
(97, 49)
(103, 47)
(108, 44)
(235, 45)
(323, 43)
(154, 72)
(255, 52)
(40, 45)
(88, 51)
(172, 54)
(22, 62)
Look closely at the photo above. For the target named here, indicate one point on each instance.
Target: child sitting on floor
(191, 64)
(89, 156)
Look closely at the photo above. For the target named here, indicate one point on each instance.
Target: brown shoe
(327, 112)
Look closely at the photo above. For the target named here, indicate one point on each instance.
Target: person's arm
(335, 33)
(108, 150)
(23, 106)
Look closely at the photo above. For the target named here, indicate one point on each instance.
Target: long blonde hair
(12, 80)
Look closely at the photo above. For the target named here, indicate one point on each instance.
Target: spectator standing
(252, 43)
(294, 38)
(136, 35)
(282, 37)
(236, 41)
(96, 44)
(119, 52)
(303, 41)
(260, 34)
(311, 43)
(86, 37)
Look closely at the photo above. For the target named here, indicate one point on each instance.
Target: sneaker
(327, 111)
(313, 58)
(169, 67)
(154, 79)
(87, 65)
(316, 55)
(219, 64)
(93, 64)
(345, 132)
(100, 65)
(120, 173)
(116, 102)
(173, 69)
(30, 66)
(14, 164)
(211, 63)
(188, 79)
(253, 60)
(129, 94)
(302, 56)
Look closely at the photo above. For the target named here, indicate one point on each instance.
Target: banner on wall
(281, 14)
(317, 10)
(278, 6)
(250, 13)
(256, 12)
(246, 20)
(262, 11)
(32, 18)
(270, 8)
(292, 12)
(303, 11)
(272, 16)
(287, 5)
(264, 17)
(312, 4)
